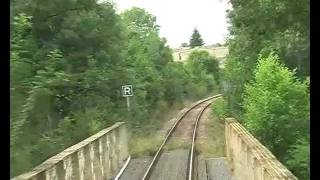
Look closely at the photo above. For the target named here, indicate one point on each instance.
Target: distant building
(181, 54)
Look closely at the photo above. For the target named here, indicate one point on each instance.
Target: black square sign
(127, 90)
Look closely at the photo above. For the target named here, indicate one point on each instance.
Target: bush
(144, 145)
(276, 106)
(299, 158)
(62, 91)
(219, 108)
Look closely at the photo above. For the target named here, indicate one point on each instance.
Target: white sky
(178, 18)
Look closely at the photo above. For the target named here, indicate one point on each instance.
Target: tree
(276, 108)
(203, 71)
(53, 74)
(176, 78)
(68, 61)
(195, 39)
(298, 158)
(208, 63)
(184, 45)
(21, 72)
(281, 26)
(140, 21)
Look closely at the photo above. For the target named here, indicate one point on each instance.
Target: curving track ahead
(179, 165)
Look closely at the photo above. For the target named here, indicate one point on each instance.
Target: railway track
(196, 110)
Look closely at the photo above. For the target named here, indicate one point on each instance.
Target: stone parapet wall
(98, 157)
(249, 159)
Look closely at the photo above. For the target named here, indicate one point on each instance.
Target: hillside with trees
(68, 62)
(267, 73)
(69, 59)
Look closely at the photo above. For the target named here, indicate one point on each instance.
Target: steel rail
(191, 156)
(160, 149)
(123, 168)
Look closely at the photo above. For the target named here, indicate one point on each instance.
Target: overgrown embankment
(68, 61)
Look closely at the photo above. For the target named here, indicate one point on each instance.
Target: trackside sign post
(127, 92)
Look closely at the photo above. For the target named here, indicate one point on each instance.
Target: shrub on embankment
(276, 110)
(68, 62)
(260, 28)
(219, 108)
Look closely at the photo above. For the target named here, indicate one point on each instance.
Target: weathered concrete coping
(49, 163)
(241, 144)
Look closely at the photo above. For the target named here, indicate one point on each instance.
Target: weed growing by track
(145, 141)
(144, 146)
(175, 143)
(210, 137)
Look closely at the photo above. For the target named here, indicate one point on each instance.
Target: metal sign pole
(127, 92)
(128, 103)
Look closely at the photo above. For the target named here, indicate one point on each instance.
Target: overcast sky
(178, 18)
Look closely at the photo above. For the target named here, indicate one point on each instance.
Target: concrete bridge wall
(249, 159)
(98, 157)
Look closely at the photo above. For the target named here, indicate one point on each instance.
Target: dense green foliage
(281, 26)
(299, 158)
(62, 64)
(220, 109)
(276, 108)
(68, 62)
(195, 39)
(269, 93)
(203, 71)
(201, 60)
